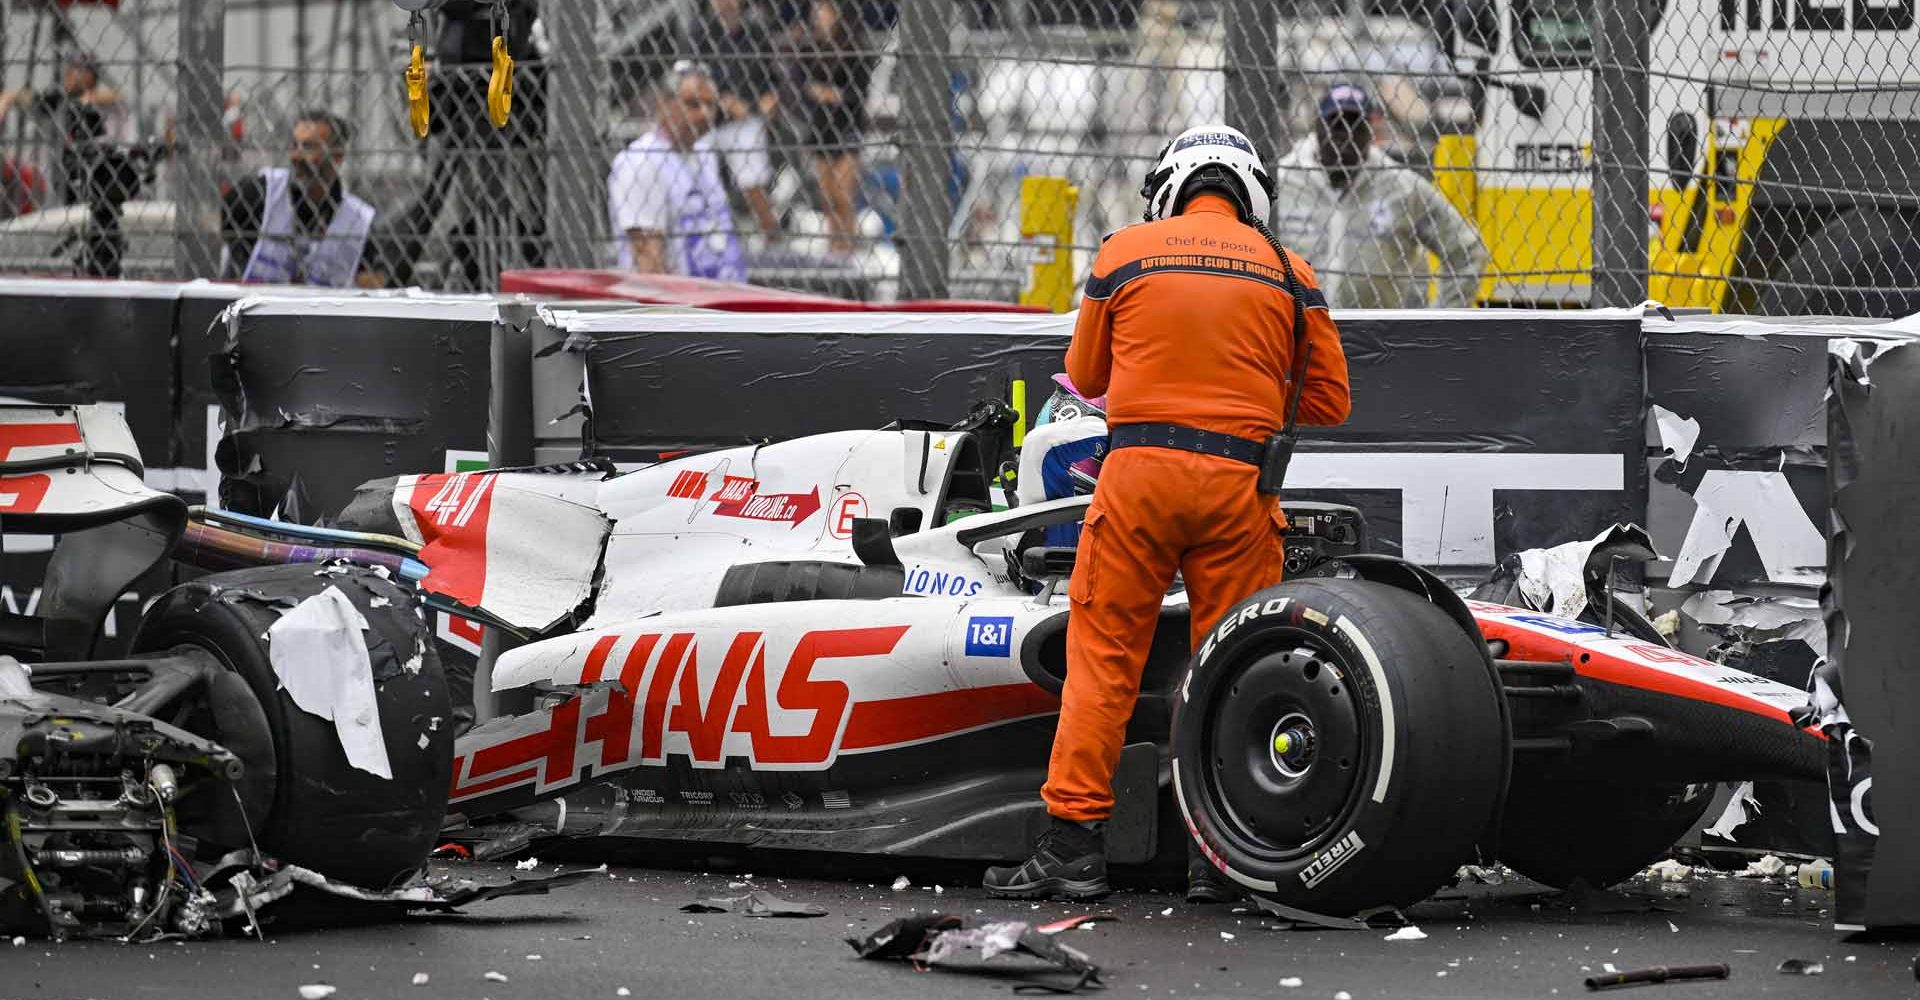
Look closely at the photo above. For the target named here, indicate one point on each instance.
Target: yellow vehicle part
(500, 85)
(1540, 238)
(418, 112)
(1701, 235)
(1047, 207)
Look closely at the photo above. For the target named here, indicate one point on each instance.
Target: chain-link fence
(1739, 155)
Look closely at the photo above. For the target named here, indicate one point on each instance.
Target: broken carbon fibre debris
(1657, 974)
(758, 903)
(942, 941)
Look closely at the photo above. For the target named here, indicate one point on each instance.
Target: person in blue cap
(1367, 222)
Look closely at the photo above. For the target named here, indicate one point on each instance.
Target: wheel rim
(1286, 743)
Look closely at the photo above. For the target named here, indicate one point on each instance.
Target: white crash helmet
(1219, 146)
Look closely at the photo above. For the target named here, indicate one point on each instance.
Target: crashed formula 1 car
(196, 776)
(837, 643)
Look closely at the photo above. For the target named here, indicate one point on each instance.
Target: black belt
(1180, 438)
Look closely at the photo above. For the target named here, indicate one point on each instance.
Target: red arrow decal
(36, 436)
(790, 507)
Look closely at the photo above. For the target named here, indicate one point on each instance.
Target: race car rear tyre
(1339, 745)
(320, 811)
(1555, 831)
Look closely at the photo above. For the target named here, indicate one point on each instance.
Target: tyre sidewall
(328, 815)
(1374, 855)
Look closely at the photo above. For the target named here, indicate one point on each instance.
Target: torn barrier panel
(320, 395)
(1873, 574)
(1456, 460)
(1736, 437)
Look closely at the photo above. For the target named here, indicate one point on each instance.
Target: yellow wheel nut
(1282, 743)
(418, 113)
(500, 86)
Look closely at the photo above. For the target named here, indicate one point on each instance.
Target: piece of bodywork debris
(1670, 871)
(241, 889)
(1080, 920)
(1009, 946)
(903, 937)
(1303, 919)
(494, 977)
(761, 903)
(758, 903)
(1802, 967)
(1407, 934)
(1769, 866)
(1477, 874)
(317, 991)
(1657, 974)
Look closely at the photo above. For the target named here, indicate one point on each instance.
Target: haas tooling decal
(717, 695)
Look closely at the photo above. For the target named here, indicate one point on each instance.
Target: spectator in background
(735, 45)
(665, 201)
(1368, 223)
(829, 78)
(298, 224)
(75, 114)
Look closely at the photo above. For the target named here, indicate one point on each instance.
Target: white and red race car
(837, 643)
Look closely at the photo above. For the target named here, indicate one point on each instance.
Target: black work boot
(1205, 883)
(1069, 862)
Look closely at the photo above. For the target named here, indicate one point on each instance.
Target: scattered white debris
(316, 991)
(494, 977)
(1408, 934)
(1673, 927)
(1670, 871)
(1226, 936)
(1168, 912)
(535, 958)
(902, 884)
(623, 992)
(1442, 974)
(1292, 982)
(1852, 958)
(19, 942)
(527, 865)
(379, 602)
(739, 885)
(424, 741)
(938, 889)
(1475, 873)
(1607, 967)
(420, 979)
(1343, 995)
(1801, 967)
(1767, 867)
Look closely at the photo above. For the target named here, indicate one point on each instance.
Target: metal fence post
(1620, 150)
(200, 94)
(1255, 91)
(577, 157)
(926, 144)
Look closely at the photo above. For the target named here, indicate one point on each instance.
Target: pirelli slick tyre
(1339, 745)
(315, 809)
(1556, 831)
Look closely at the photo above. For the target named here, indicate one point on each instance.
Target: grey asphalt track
(625, 929)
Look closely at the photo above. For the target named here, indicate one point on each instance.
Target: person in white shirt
(1366, 222)
(666, 202)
